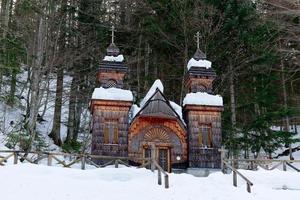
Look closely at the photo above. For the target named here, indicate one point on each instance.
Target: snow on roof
(118, 58)
(198, 63)
(178, 109)
(202, 98)
(133, 111)
(112, 94)
(157, 84)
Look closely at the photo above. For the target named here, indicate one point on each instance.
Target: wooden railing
(235, 172)
(35, 157)
(252, 164)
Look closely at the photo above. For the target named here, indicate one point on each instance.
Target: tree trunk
(138, 67)
(185, 60)
(147, 60)
(285, 105)
(13, 82)
(5, 10)
(232, 97)
(235, 152)
(77, 113)
(72, 111)
(6, 17)
(55, 133)
(35, 80)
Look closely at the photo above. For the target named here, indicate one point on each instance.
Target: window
(111, 83)
(205, 135)
(111, 133)
(201, 88)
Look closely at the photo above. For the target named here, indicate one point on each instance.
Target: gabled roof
(158, 106)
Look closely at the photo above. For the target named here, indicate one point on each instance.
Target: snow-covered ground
(27, 181)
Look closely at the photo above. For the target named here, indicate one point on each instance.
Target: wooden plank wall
(101, 114)
(200, 156)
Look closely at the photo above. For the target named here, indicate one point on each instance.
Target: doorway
(163, 158)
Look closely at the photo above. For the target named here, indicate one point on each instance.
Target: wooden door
(163, 159)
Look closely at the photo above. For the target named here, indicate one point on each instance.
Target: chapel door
(163, 159)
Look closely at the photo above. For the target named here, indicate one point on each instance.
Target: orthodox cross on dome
(112, 34)
(112, 49)
(199, 55)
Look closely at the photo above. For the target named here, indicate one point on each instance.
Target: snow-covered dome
(112, 51)
(119, 58)
(198, 63)
(199, 60)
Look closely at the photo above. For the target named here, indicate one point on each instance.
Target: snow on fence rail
(83, 158)
(252, 164)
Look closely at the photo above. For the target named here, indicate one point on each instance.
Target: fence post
(49, 160)
(116, 164)
(234, 178)
(284, 165)
(152, 157)
(159, 177)
(15, 158)
(248, 187)
(83, 162)
(166, 181)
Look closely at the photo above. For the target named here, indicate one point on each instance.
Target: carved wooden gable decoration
(158, 124)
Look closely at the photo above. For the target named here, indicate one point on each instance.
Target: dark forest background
(253, 45)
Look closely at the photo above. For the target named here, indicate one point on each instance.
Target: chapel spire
(112, 49)
(200, 75)
(112, 69)
(199, 55)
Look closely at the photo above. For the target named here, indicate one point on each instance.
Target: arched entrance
(158, 141)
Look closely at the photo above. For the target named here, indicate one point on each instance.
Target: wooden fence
(36, 157)
(252, 164)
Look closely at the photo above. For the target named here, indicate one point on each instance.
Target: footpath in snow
(29, 182)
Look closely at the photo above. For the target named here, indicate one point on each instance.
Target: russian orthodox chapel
(186, 136)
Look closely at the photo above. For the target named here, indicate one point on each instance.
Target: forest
(254, 46)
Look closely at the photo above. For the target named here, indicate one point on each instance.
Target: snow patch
(121, 183)
(157, 84)
(177, 108)
(134, 110)
(202, 98)
(118, 58)
(112, 94)
(198, 63)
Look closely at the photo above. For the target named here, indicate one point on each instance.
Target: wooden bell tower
(203, 118)
(110, 105)
(199, 79)
(112, 72)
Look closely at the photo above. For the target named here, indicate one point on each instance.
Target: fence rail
(252, 164)
(35, 157)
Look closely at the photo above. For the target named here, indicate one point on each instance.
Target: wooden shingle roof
(158, 106)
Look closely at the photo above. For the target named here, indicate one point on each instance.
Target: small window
(111, 83)
(111, 133)
(201, 88)
(205, 135)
